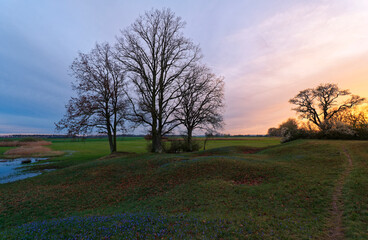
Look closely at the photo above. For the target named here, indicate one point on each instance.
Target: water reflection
(11, 169)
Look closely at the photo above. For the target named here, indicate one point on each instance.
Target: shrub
(340, 130)
(289, 130)
(333, 129)
(149, 146)
(362, 131)
(178, 146)
(195, 146)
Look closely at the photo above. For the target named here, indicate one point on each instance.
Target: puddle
(69, 153)
(11, 169)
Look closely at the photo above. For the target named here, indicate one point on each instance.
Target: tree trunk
(156, 138)
(114, 141)
(109, 135)
(114, 128)
(156, 142)
(111, 142)
(189, 139)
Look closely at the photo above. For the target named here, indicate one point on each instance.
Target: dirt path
(335, 231)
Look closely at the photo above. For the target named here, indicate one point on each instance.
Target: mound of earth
(229, 150)
(116, 155)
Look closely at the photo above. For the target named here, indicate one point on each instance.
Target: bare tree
(156, 55)
(201, 102)
(100, 101)
(319, 105)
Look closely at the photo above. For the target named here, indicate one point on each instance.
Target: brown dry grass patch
(27, 150)
(19, 143)
(10, 144)
(33, 149)
(38, 143)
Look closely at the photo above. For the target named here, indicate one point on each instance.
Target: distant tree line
(330, 113)
(152, 76)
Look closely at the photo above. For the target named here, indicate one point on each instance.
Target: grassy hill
(280, 192)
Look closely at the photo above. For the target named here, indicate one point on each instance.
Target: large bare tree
(319, 105)
(100, 102)
(157, 56)
(201, 102)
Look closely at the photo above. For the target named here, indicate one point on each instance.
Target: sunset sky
(267, 51)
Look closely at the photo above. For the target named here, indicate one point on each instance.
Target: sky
(267, 51)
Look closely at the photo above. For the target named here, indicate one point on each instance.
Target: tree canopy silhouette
(319, 105)
(201, 102)
(157, 57)
(100, 101)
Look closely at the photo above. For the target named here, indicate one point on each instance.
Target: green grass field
(281, 192)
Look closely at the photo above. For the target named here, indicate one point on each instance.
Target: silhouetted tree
(100, 101)
(274, 132)
(201, 102)
(320, 104)
(157, 56)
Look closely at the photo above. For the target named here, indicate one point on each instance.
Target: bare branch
(157, 56)
(100, 101)
(201, 101)
(321, 104)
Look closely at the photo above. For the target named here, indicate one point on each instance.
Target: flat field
(282, 191)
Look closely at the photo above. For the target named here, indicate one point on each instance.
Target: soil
(336, 231)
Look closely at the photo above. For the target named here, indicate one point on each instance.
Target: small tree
(201, 102)
(100, 101)
(289, 130)
(319, 105)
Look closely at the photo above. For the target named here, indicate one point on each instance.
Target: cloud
(15, 123)
(267, 51)
(285, 53)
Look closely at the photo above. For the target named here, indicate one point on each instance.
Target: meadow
(248, 188)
